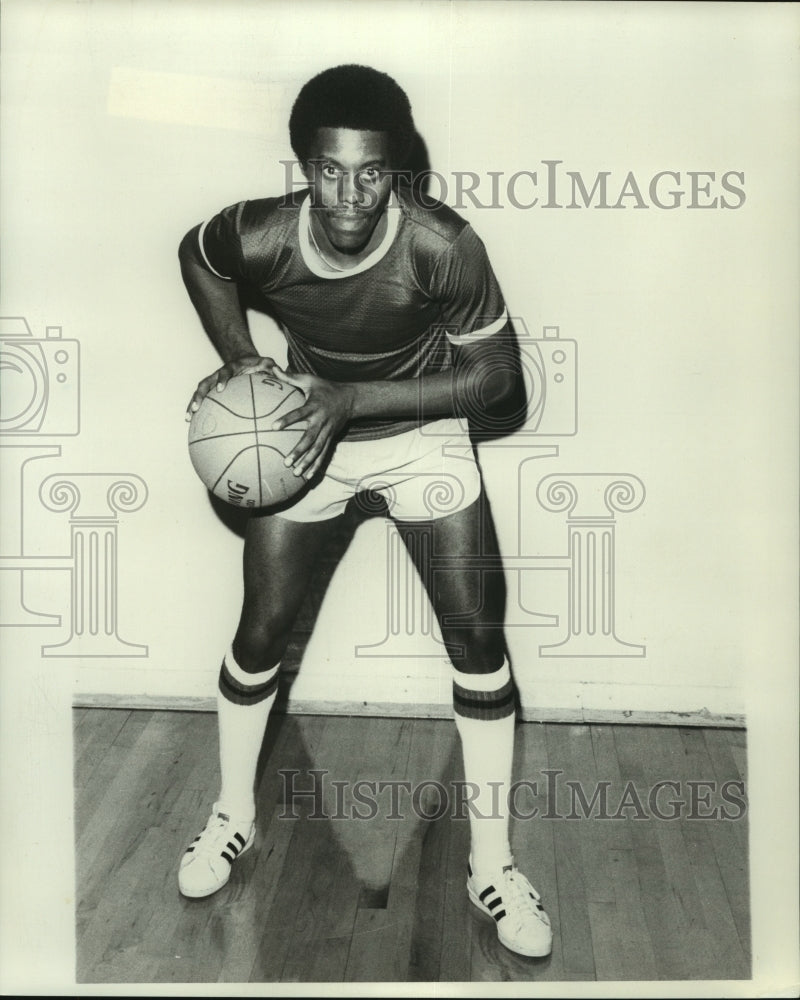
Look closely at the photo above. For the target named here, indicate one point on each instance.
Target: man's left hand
(328, 407)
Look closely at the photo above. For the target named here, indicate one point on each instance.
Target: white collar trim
(312, 258)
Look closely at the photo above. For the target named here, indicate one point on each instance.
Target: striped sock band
(243, 688)
(484, 696)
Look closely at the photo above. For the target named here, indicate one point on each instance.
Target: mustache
(349, 213)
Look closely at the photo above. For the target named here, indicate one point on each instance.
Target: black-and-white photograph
(399, 498)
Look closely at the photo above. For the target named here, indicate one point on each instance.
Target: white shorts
(423, 474)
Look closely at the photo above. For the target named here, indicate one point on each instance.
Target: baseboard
(420, 711)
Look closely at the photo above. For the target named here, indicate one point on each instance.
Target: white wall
(124, 124)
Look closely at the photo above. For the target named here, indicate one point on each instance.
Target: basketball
(234, 449)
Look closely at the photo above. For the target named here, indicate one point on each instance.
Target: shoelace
(216, 835)
(519, 894)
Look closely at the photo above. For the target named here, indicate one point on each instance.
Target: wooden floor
(335, 898)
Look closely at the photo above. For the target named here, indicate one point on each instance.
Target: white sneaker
(522, 924)
(206, 865)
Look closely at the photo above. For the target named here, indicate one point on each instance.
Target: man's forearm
(453, 393)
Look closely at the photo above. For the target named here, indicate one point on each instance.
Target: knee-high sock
(484, 713)
(243, 705)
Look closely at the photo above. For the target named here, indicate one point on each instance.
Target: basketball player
(396, 327)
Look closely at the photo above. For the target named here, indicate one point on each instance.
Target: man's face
(349, 175)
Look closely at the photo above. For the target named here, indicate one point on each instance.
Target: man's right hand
(217, 381)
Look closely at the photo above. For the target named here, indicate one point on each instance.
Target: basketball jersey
(427, 287)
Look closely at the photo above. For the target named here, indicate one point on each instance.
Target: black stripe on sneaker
(240, 838)
(245, 694)
(227, 857)
(487, 705)
(233, 847)
(497, 901)
(499, 915)
(486, 891)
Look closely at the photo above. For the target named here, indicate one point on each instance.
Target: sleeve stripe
(203, 252)
(486, 331)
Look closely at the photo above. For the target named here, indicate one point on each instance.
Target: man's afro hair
(356, 97)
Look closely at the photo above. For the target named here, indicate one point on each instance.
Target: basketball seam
(258, 442)
(277, 406)
(217, 402)
(256, 415)
(216, 437)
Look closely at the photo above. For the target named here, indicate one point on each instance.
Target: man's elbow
(499, 398)
(499, 383)
(509, 382)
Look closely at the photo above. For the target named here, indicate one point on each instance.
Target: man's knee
(475, 650)
(258, 646)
